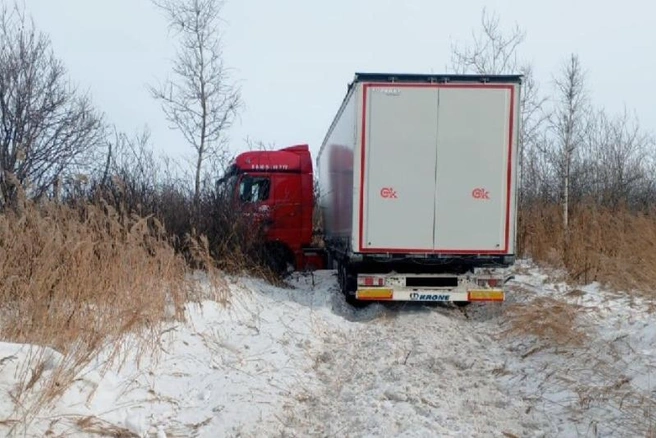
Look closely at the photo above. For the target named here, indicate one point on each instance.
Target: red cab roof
(290, 159)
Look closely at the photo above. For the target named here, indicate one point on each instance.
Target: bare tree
(47, 129)
(495, 51)
(199, 100)
(567, 124)
(491, 51)
(131, 172)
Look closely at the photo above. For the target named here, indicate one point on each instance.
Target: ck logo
(388, 193)
(481, 193)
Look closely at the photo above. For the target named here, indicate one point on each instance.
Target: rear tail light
(371, 281)
(489, 282)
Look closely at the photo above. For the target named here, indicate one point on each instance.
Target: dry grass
(77, 279)
(616, 247)
(548, 319)
(90, 277)
(96, 426)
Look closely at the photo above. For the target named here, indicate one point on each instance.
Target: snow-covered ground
(604, 385)
(298, 361)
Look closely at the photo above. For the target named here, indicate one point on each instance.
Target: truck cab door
(273, 201)
(254, 197)
(287, 210)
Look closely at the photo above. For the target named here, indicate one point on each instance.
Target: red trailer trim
(365, 89)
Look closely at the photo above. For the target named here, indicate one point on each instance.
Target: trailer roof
(439, 78)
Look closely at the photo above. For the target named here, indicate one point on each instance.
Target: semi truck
(416, 189)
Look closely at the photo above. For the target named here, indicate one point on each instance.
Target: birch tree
(199, 99)
(567, 124)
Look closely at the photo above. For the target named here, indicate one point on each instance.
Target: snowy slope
(300, 362)
(604, 387)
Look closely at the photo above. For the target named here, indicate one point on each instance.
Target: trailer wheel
(348, 284)
(347, 279)
(462, 303)
(330, 260)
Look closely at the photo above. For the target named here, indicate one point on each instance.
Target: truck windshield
(225, 187)
(254, 189)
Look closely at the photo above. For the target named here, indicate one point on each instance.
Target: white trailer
(418, 183)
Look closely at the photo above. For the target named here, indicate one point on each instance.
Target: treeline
(580, 153)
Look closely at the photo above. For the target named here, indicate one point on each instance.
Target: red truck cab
(278, 187)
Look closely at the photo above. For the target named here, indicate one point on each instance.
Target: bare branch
(492, 51)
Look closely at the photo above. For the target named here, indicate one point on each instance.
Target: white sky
(294, 58)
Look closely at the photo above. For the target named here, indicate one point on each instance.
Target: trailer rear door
(398, 197)
(473, 169)
(437, 169)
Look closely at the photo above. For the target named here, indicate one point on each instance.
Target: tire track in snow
(408, 371)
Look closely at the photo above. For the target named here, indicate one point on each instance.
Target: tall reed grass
(614, 246)
(79, 278)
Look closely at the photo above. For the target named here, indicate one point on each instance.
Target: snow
(299, 361)
(605, 387)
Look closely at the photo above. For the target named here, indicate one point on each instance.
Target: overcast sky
(294, 58)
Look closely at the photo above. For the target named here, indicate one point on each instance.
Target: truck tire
(330, 260)
(278, 257)
(348, 284)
